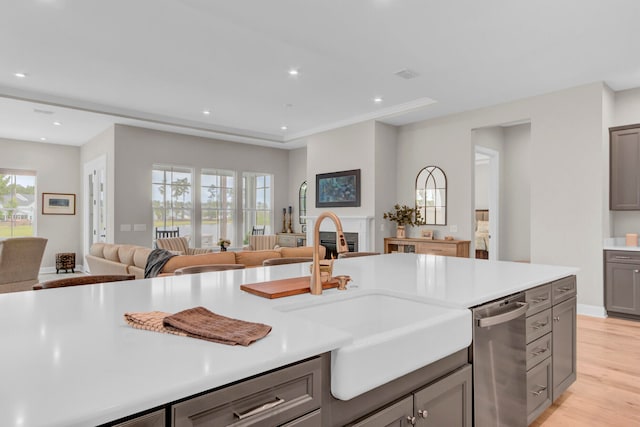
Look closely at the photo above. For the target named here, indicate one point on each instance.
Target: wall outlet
(139, 227)
(453, 229)
(125, 227)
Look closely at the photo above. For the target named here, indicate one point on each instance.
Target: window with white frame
(172, 199)
(218, 201)
(257, 202)
(17, 202)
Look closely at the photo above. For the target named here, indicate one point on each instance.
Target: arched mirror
(302, 211)
(431, 195)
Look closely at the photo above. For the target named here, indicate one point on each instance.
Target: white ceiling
(159, 63)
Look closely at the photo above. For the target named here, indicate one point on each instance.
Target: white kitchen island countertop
(69, 359)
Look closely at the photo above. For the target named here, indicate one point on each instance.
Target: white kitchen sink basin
(392, 336)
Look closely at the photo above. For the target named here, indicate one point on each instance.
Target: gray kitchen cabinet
(622, 282)
(551, 343)
(446, 402)
(399, 414)
(153, 419)
(275, 398)
(564, 346)
(624, 168)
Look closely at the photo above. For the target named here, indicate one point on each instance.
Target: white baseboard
(592, 310)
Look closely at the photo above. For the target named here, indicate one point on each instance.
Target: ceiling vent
(406, 74)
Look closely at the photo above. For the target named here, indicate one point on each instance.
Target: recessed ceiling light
(283, 128)
(20, 75)
(206, 112)
(43, 139)
(294, 72)
(377, 100)
(57, 124)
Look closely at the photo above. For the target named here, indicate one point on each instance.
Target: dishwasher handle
(504, 317)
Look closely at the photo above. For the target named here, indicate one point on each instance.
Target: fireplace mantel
(354, 224)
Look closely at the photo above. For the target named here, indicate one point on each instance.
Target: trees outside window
(172, 198)
(257, 202)
(18, 204)
(218, 201)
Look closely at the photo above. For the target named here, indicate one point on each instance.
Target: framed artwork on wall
(338, 189)
(58, 204)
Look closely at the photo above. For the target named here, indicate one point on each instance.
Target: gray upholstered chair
(20, 259)
(83, 280)
(356, 254)
(193, 269)
(285, 260)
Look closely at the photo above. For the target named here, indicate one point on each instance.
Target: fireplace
(328, 240)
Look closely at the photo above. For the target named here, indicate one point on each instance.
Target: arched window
(431, 195)
(302, 211)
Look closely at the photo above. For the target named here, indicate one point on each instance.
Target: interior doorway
(95, 206)
(487, 202)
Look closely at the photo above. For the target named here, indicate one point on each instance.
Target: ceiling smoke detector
(406, 74)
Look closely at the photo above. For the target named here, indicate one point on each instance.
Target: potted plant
(222, 242)
(403, 216)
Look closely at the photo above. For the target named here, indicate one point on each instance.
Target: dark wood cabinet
(551, 343)
(564, 346)
(622, 282)
(153, 419)
(625, 168)
(446, 402)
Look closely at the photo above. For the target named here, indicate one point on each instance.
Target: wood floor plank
(607, 388)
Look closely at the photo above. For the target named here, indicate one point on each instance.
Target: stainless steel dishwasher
(499, 363)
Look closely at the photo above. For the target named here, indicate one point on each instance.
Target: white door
(95, 206)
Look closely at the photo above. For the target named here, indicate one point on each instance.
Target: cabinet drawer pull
(411, 420)
(423, 413)
(539, 300)
(556, 318)
(539, 391)
(623, 257)
(259, 409)
(636, 271)
(539, 325)
(564, 289)
(539, 351)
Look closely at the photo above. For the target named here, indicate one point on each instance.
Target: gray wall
(567, 216)
(515, 218)
(297, 175)
(57, 169)
(386, 147)
(137, 149)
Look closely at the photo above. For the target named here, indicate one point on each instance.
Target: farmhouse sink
(392, 336)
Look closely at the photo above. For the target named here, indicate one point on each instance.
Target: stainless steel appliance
(499, 363)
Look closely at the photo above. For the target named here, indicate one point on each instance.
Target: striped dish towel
(198, 322)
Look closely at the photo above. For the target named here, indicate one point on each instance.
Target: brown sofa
(107, 258)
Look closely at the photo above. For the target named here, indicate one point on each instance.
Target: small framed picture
(427, 234)
(58, 204)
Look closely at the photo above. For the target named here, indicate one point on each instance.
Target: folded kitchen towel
(198, 322)
(151, 321)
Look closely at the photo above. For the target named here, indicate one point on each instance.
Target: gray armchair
(20, 259)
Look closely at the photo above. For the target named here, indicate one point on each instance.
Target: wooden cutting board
(285, 287)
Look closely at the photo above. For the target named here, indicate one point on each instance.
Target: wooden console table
(458, 248)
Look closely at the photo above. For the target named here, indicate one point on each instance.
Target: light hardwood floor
(607, 389)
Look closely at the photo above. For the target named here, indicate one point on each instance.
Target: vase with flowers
(223, 243)
(403, 216)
